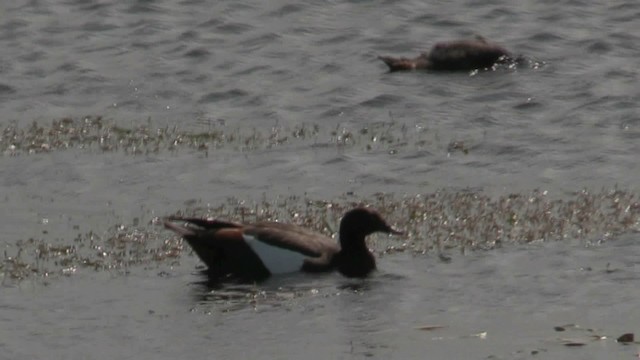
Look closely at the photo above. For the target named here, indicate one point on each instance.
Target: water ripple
(217, 96)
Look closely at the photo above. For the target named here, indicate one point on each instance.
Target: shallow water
(515, 296)
(310, 113)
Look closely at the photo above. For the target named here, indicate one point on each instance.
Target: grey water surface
(567, 120)
(488, 305)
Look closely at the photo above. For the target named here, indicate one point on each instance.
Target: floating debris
(480, 335)
(430, 327)
(97, 134)
(121, 248)
(573, 343)
(579, 342)
(457, 146)
(567, 327)
(434, 223)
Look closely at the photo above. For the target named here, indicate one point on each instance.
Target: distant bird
(253, 252)
(458, 55)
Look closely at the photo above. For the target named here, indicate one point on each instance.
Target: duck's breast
(276, 259)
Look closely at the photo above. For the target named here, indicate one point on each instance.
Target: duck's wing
(294, 238)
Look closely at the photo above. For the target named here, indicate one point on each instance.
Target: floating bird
(458, 55)
(253, 252)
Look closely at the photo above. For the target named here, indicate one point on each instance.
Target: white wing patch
(276, 259)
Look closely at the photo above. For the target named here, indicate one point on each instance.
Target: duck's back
(464, 55)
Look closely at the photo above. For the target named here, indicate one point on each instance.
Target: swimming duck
(458, 55)
(253, 252)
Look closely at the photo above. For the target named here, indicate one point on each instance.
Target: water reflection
(229, 294)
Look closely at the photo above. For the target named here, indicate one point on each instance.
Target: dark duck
(457, 55)
(253, 252)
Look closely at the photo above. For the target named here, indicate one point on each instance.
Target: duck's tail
(180, 230)
(398, 64)
(204, 224)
